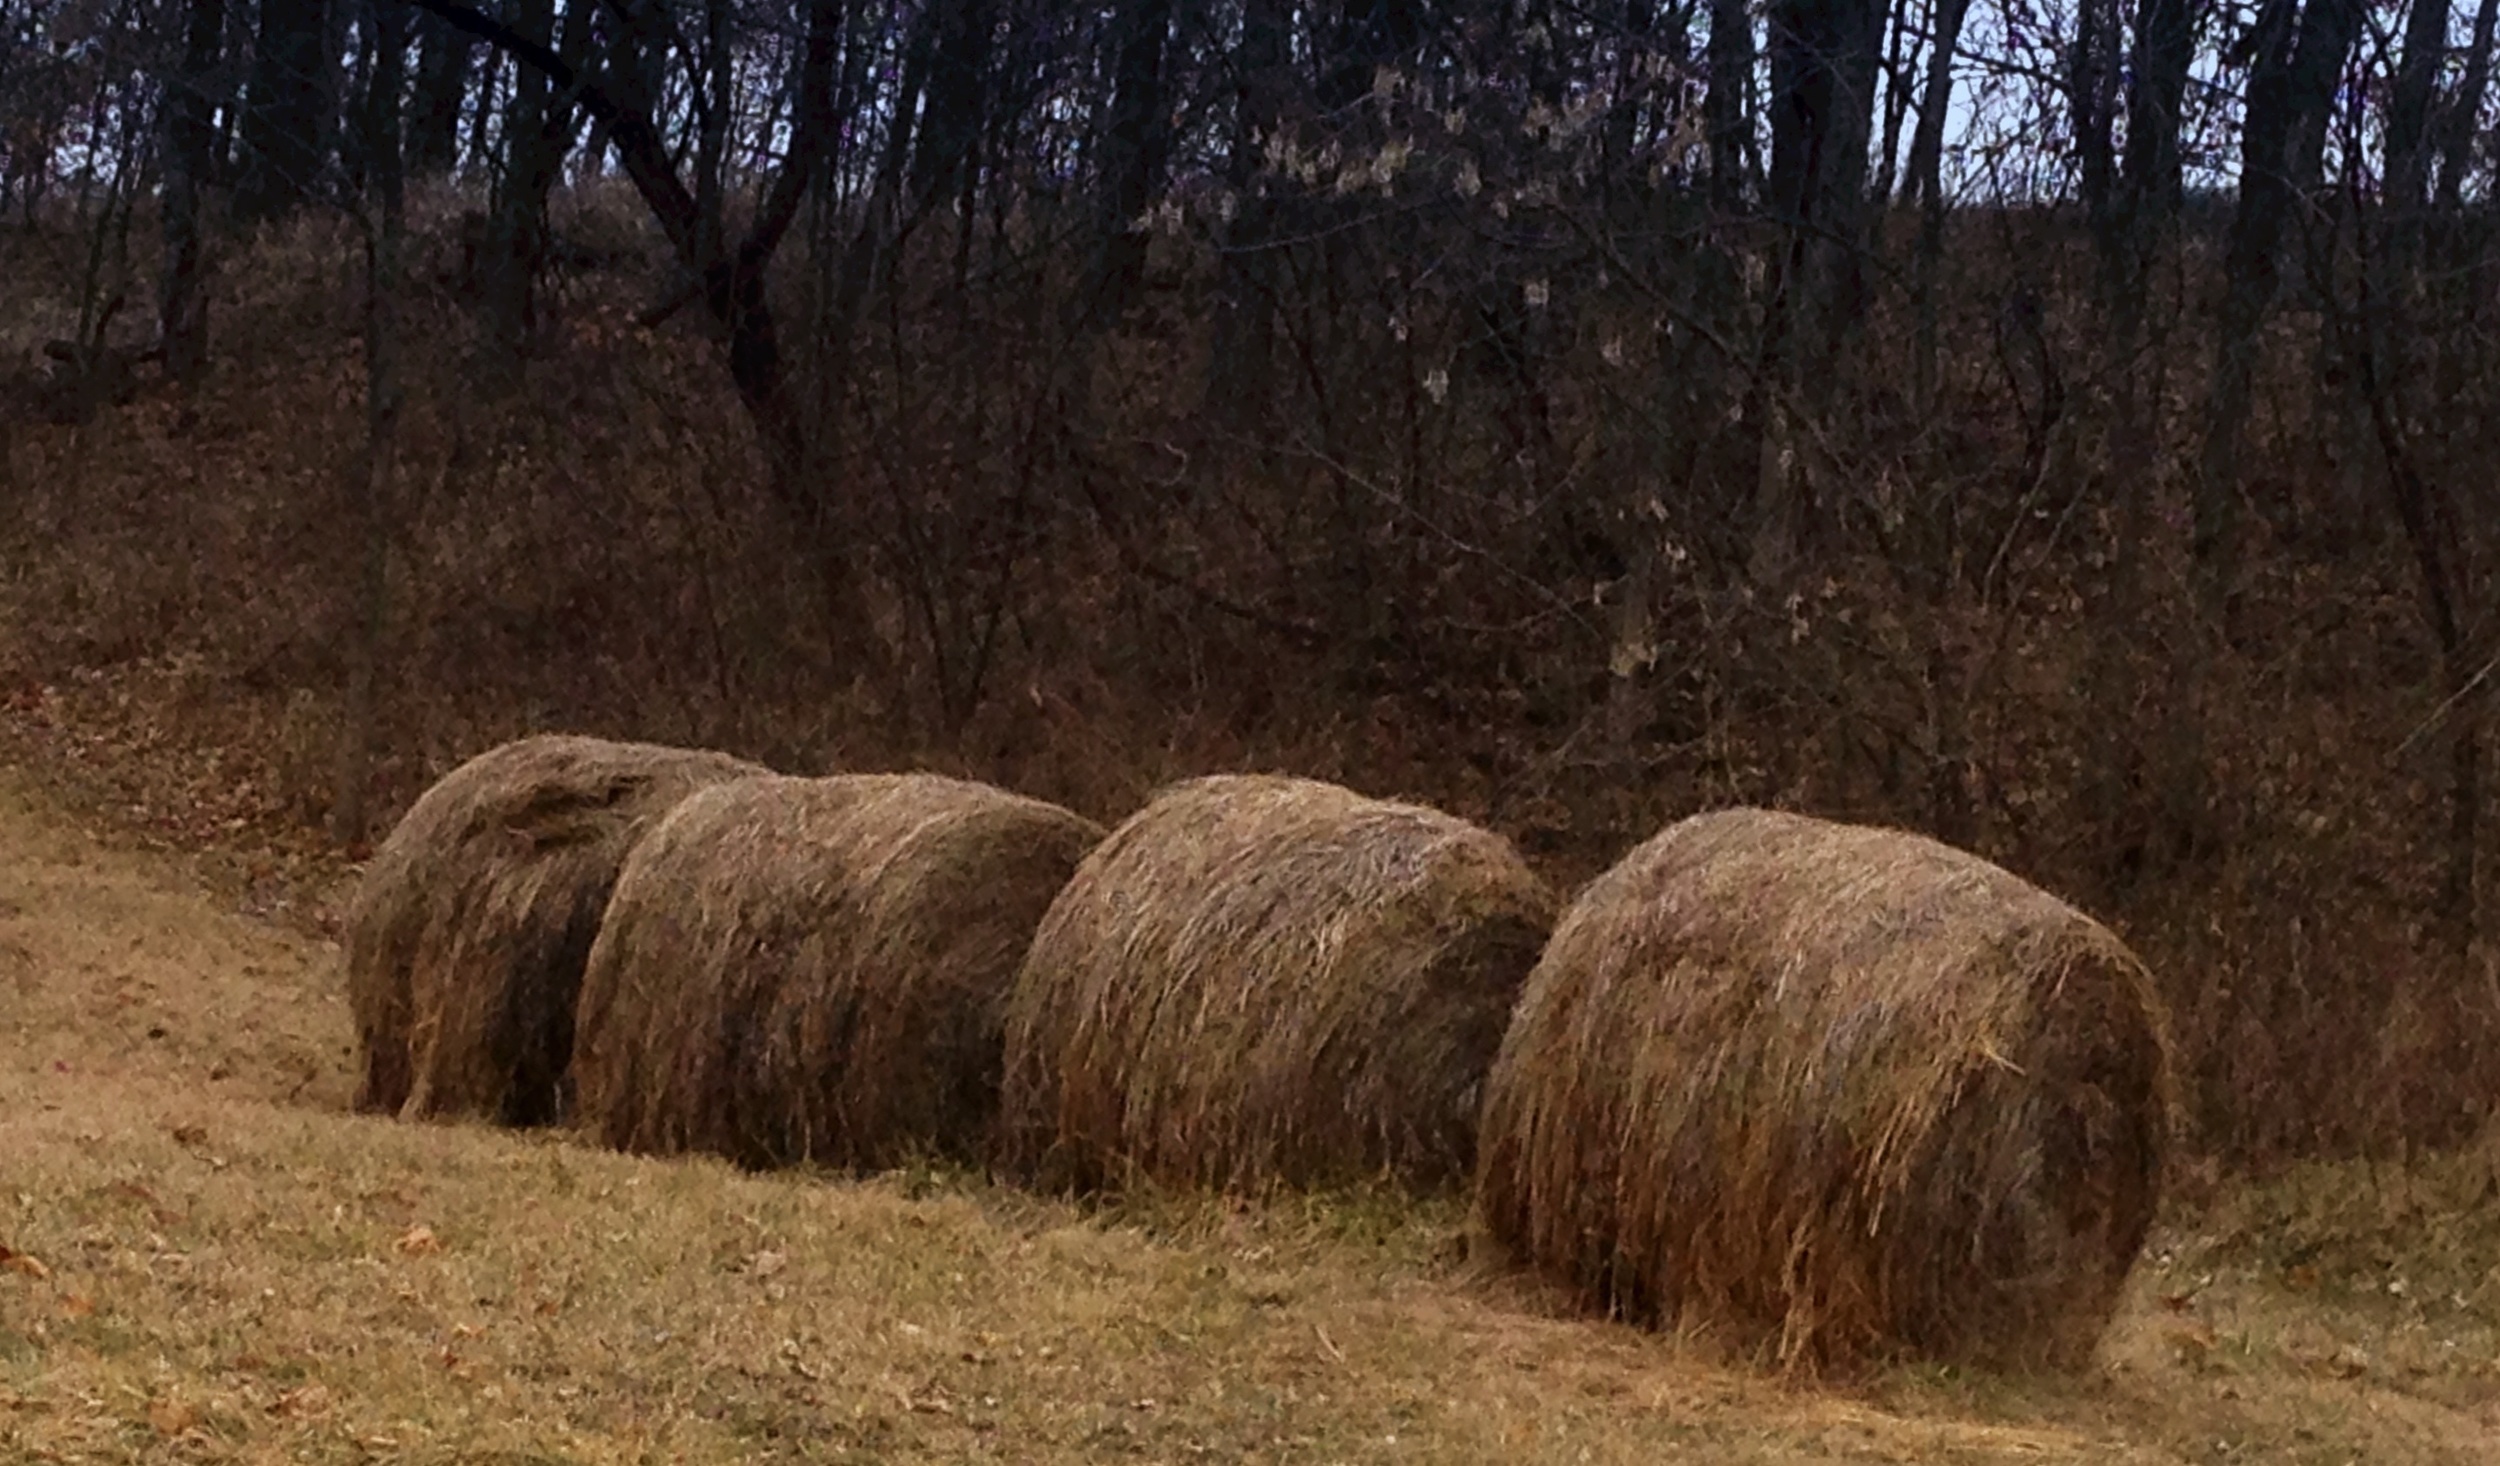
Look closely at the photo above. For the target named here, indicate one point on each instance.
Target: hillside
(208, 1259)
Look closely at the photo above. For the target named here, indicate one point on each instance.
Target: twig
(2440, 713)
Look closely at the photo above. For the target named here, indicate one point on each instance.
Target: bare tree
(190, 141)
(1135, 143)
(287, 109)
(442, 85)
(369, 510)
(1926, 185)
(1728, 105)
(2297, 60)
(1823, 57)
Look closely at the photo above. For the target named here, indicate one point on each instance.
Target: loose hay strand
(1847, 1089)
(813, 970)
(1258, 981)
(467, 934)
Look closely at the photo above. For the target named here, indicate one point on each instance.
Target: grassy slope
(213, 1262)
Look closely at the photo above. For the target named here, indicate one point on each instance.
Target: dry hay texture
(814, 970)
(1260, 981)
(1845, 1092)
(467, 935)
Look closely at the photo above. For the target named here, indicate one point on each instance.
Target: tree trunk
(1823, 55)
(636, 55)
(1926, 180)
(714, 96)
(951, 122)
(287, 110)
(369, 511)
(2401, 361)
(1727, 107)
(2463, 114)
(516, 236)
(2291, 92)
(2290, 96)
(878, 224)
(442, 85)
(2130, 783)
(190, 135)
(2433, 529)
(1134, 147)
(2149, 178)
(1899, 60)
(1926, 183)
(2409, 112)
(2092, 100)
(1245, 321)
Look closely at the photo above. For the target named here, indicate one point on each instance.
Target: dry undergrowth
(211, 1261)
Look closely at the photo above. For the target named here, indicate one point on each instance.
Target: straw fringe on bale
(466, 937)
(1847, 1091)
(1260, 980)
(812, 970)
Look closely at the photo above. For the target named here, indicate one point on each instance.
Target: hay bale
(1846, 1090)
(813, 970)
(466, 937)
(1260, 981)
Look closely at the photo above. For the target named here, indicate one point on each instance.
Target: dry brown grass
(1260, 980)
(220, 1265)
(1844, 1088)
(466, 939)
(813, 970)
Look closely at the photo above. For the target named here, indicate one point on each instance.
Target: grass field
(203, 1257)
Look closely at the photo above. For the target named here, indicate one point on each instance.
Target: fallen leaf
(2177, 1302)
(190, 1135)
(2301, 1276)
(171, 1416)
(300, 1402)
(765, 1264)
(2193, 1342)
(24, 1264)
(77, 1305)
(419, 1242)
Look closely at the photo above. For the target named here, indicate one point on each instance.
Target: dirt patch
(121, 965)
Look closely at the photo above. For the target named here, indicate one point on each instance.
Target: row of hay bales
(1845, 1092)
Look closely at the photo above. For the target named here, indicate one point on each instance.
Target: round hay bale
(1259, 981)
(813, 970)
(1846, 1091)
(466, 937)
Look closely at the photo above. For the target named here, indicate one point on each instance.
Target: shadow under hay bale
(466, 939)
(1847, 1092)
(1260, 981)
(813, 970)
